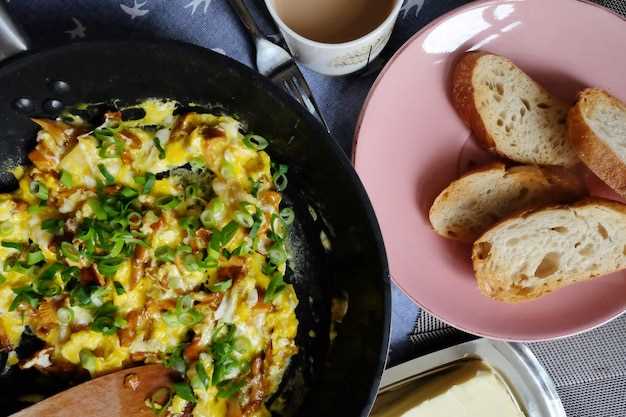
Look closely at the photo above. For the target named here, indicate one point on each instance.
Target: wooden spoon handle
(107, 396)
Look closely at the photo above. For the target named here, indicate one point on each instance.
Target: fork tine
(292, 91)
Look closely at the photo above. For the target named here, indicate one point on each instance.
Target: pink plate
(410, 144)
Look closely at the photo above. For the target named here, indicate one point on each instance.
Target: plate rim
(543, 337)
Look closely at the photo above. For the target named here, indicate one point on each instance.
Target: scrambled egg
(158, 239)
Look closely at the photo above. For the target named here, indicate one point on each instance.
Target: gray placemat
(589, 370)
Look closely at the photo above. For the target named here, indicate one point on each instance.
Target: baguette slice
(597, 129)
(538, 251)
(482, 197)
(509, 113)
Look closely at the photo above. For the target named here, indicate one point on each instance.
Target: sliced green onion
(54, 226)
(280, 182)
(244, 219)
(214, 213)
(70, 273)
(165, 254)
(119, 288)
(70, 252)
(108, 178)
(34, 258)
(192, 191)
(280, 177)
(104, 325)
(170, 318)
(191, 262)
(103, 134)
(80, 296)
(184, 391)
(229, 389)
(3, 279)
(157, 143)
(51, 271)
(66, 179)
(33, 209)
(277, 254)
(129, 192)
(24, 295)
(97, 209)
(167, 203)
(191, 317)
(47, 288)
(256, 142)
(221, 286)
(287, 215)
(184, 303)
(65, 315)
(109, 266)
(275, 286)
(202, 375)
(134, 218)
(149, 184)
(39, 190)
(228, 232)
(88, 360)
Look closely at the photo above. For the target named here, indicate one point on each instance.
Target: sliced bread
(538, 251)
(597, 129)
(509, 113)
(482, 197)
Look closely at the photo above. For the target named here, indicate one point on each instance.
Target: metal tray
(527, 379)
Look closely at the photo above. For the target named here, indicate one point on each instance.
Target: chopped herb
(228, 389)
(39, 190)
(13, 245)
(24, 295)
(34, 258)
(54, 226)
(256, 142)
(157, 143)
(66, 179)
(108, 178)
(109, 266)
(165, 254)
(184, 391)
(167, 203)
(280, 177)
(119, 288)
(221, 286)
(202, 375)
(275, 286)
(176, 360)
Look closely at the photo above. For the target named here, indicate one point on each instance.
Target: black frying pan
(338, 379)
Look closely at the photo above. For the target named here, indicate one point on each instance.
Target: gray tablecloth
(589, 370)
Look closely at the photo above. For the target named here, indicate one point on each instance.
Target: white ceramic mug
(337, 58)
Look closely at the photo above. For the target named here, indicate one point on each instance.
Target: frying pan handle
(12, 39)
(246, 18)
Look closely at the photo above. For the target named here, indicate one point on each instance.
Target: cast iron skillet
(325, 379)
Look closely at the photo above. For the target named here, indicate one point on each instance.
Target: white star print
(79, 30)
(194, 4)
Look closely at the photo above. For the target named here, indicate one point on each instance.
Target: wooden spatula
(120, 394)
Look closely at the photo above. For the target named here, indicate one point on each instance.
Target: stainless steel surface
(276, 63)
(12, 38)
(533, 388)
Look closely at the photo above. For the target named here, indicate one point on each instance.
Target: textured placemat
(589, 370)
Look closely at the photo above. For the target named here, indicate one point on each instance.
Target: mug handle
(13, 40)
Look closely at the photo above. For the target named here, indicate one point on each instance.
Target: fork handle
(246, 18)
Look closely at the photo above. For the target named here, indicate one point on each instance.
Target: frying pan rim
(12, 64)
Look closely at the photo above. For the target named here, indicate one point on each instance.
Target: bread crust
(592, 150)
(484, 280)
(564, 185)
(463, 99)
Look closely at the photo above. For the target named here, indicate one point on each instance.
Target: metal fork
(277, 64)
